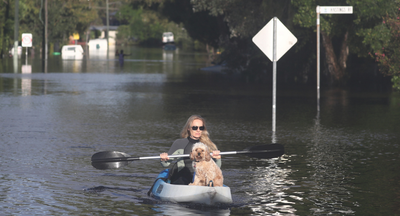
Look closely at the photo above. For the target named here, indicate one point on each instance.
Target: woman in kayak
(194, 131)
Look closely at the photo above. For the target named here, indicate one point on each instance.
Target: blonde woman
(194, 131)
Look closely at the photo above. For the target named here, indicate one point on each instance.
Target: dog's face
(200, 153)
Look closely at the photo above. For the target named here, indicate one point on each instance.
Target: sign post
(26, 42)
(326, 10)
(274, 48)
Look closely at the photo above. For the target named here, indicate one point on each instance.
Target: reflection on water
(336, 97)
(168, 58)
(329, 178)
(74, 66)
(26, 84)
(189, 209)
(267, 186)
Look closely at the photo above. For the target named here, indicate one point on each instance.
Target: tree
(6, 27)
(343, 34)
(145, 25)
(65, 18)
(384, 40)
(200, 25)
(243, 19)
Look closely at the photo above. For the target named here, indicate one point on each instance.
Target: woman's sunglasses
(195, 128)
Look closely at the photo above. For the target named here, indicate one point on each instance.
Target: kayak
(205, 195)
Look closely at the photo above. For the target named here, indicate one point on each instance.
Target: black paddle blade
(109, 165)
(106, 160)
(265, 151)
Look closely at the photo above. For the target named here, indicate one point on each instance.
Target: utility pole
(45, 31)
(108, 27)
(318, 57)
(16, 26)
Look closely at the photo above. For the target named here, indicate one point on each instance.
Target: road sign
(26, 40)
(335, 9)
(326, 10)
(264, 40)
(274, 48)
(76, 36)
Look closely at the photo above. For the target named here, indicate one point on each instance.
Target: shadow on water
(99, 189)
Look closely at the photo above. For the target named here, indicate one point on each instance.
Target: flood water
(344, 160)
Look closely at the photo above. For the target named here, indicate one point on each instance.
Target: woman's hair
(204, 135)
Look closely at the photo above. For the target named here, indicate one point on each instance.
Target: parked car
(168, 37)
(72, 52)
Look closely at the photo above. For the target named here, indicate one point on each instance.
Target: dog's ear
(191, 155)
(207, 155)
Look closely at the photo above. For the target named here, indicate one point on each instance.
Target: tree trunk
(344, 52)
(4, 32)
(335, 67)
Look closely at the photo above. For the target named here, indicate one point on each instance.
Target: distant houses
(113, 30)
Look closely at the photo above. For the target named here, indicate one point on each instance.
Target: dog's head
(200, 152)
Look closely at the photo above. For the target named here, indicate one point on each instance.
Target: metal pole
(45, 31)
(318, 58)
(108, 26)
(16, 26)
(274, 75)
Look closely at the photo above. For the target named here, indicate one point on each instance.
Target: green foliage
(306, 15)
(199, 25)
(245, 18)
(144, 25)
(6, 26)
(236, 22)
(383, 41)
(124, 34)
(64, 19)
(388, 54)
(369, 31)
(396, 82)
(376, 38)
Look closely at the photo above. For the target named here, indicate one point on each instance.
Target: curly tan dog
(207, 171)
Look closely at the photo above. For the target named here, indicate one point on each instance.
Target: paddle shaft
(119, 159)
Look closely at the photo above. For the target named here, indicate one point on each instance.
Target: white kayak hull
(191, 194)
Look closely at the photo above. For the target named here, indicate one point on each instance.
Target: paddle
(115, 159)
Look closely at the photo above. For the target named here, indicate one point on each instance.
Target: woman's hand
(164, 156)
(215, 154)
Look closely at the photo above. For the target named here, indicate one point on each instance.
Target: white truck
(167, 37)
